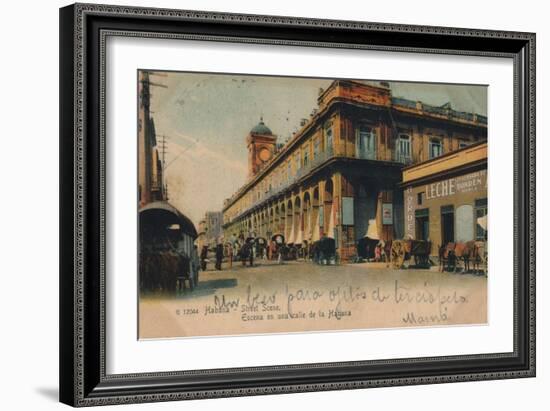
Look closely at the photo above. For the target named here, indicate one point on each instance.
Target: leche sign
(458, 185)
(387, 213)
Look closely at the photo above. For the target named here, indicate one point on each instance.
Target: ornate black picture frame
(83, 31)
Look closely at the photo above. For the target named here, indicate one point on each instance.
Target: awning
(307, 228)
(372, 230)
(316, 229)
(290, 239)
(299, 237)
(163, 214)
(330, 230)
(482, 222)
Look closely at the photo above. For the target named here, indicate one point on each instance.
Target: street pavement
(302, 296)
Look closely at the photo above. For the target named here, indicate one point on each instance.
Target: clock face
(264, 154)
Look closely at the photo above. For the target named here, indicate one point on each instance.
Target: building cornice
(453, 172)
(317, 121)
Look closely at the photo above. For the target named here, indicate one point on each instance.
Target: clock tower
(261, 143)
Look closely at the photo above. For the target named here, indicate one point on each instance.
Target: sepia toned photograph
(271, 204)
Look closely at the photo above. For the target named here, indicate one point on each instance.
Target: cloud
(198, 151)
(200, 177)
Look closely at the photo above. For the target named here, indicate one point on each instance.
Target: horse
(161, 270)
(453, 253)
(480, 257)
(400, 252)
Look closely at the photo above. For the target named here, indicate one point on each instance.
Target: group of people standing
(220, 252)
(245, 251)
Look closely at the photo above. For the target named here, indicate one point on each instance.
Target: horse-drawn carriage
(260, 245)
(404, 250)
(366, 248)
(279, 249)
(324, 251)
(167, 258)
(472, 255)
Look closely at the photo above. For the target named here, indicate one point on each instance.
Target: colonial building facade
(446, 198)
(343, 168)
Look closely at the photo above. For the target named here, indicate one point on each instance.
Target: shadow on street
(208, 287)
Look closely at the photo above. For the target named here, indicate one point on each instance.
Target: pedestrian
(272, 250)
(383, 255)
(251, 255)
(219, 256)
(280, 254)
(204, 257)
(377, 253)
(195, 265)
(230, 255)
(244, 254)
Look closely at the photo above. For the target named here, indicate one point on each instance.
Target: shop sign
(347, 211)
(458, 185)
(387, 213)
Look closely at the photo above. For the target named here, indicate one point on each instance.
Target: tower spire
(261, 143)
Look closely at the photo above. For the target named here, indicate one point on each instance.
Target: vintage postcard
(271, 204)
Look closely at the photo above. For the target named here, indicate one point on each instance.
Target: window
(316, 148)
(366, 143)
(289, 171)
(419, 198)
(403, 148)
(306, 156)
(329, 143)
(436, 148)
(481, 219)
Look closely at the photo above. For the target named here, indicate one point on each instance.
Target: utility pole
(163, 150)
(146, 136)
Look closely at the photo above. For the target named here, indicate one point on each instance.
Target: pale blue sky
(206, 118)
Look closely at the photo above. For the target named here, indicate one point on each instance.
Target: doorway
(447, 224)
(422, 224)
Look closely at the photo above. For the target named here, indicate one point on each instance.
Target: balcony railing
(402, 158)
(316, 161)
(366, 155)
(319, 159)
